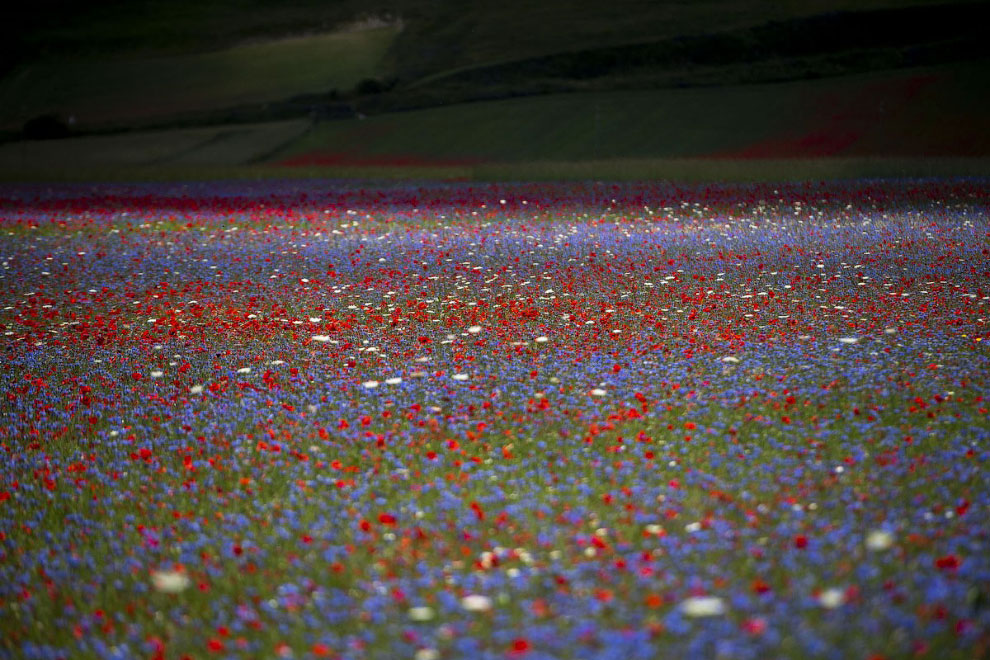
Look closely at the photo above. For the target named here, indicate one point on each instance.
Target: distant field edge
(699, 170)
(737, 169)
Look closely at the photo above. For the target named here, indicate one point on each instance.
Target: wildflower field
(312, 419)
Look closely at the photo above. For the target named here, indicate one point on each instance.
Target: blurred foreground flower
(699, 606)
(879, 539)
(421, 613)
(476, 603)
(831, 598)
(169, 582)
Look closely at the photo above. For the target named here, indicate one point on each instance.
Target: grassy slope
(217, 146)
(463, 35)
(458, 33)
(881, 114)
(887, 114)
(106, 91)
(57, 29)
(823, 45)
(115, 61)
(868, 125)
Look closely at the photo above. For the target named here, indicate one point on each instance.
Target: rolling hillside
(114, 64)
(898, 113)
(98, 92)
(870, 124)
(439, 84)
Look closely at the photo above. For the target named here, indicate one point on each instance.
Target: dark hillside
(835, 43)
(68, 28)
(440, 35)
(450, 36)
(233, 83)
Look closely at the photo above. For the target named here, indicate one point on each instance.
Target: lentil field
(446, 420)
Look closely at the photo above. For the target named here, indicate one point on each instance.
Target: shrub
(46, 127)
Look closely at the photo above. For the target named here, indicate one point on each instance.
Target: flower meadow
(450, 420)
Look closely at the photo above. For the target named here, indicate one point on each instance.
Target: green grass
(107, 91)
(759, 479)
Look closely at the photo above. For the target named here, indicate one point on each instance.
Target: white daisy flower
(702, 606)
(476, 603)
(879, 540)
(831, 598)
(169, 582)
(421, 613)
